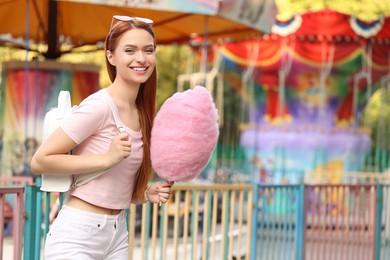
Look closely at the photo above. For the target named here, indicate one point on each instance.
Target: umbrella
(78, 23)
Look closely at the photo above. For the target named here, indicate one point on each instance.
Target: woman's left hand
(159, 192)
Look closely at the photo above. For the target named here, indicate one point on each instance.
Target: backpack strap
(113, 110)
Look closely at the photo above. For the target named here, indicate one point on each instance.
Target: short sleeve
(86, 119)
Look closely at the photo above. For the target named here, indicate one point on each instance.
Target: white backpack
(53, 119)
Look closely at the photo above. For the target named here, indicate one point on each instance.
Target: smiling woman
(172, 60)
(92, 224)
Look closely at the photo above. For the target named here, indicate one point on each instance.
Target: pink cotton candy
(184, 135)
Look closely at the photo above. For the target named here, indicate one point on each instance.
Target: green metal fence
(245, 222)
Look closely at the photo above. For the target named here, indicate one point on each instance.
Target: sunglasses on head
(124, 18)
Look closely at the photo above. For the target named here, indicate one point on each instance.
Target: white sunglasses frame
(124, 18)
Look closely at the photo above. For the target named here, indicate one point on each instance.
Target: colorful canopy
(368, 11)
(324, 53)
(82, 22)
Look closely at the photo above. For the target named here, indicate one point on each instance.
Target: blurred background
(302, 88)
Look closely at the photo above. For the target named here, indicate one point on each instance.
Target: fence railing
(318, 222)
(382, 234)
(12, 210)
(278, 214)
(17, 219)
(200, 222)
(242, 222)
(340, 221)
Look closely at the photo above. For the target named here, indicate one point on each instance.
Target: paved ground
(8, 248)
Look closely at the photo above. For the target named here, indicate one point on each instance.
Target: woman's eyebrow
(135, 46)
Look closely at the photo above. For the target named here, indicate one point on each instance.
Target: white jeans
(78, 234)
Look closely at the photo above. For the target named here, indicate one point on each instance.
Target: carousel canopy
(86, 22)
(314, 53)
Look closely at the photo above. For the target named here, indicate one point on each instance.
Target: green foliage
(376, 117)
(171, 62)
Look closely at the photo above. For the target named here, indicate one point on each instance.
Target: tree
(376, 117)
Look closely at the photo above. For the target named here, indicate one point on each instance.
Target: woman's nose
(140, 56)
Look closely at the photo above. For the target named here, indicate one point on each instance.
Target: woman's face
(134, 57)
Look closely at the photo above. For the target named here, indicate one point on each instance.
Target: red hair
(145, 101)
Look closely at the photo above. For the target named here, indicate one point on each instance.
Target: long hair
(145, 101)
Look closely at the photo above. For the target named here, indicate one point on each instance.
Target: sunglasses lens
(144, 20)
(122, 18)
(128, 18)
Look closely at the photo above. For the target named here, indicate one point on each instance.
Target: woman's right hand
(120, 148)
(52, 156)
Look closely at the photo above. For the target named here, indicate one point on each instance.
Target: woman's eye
(129, 51)
(149, 51)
